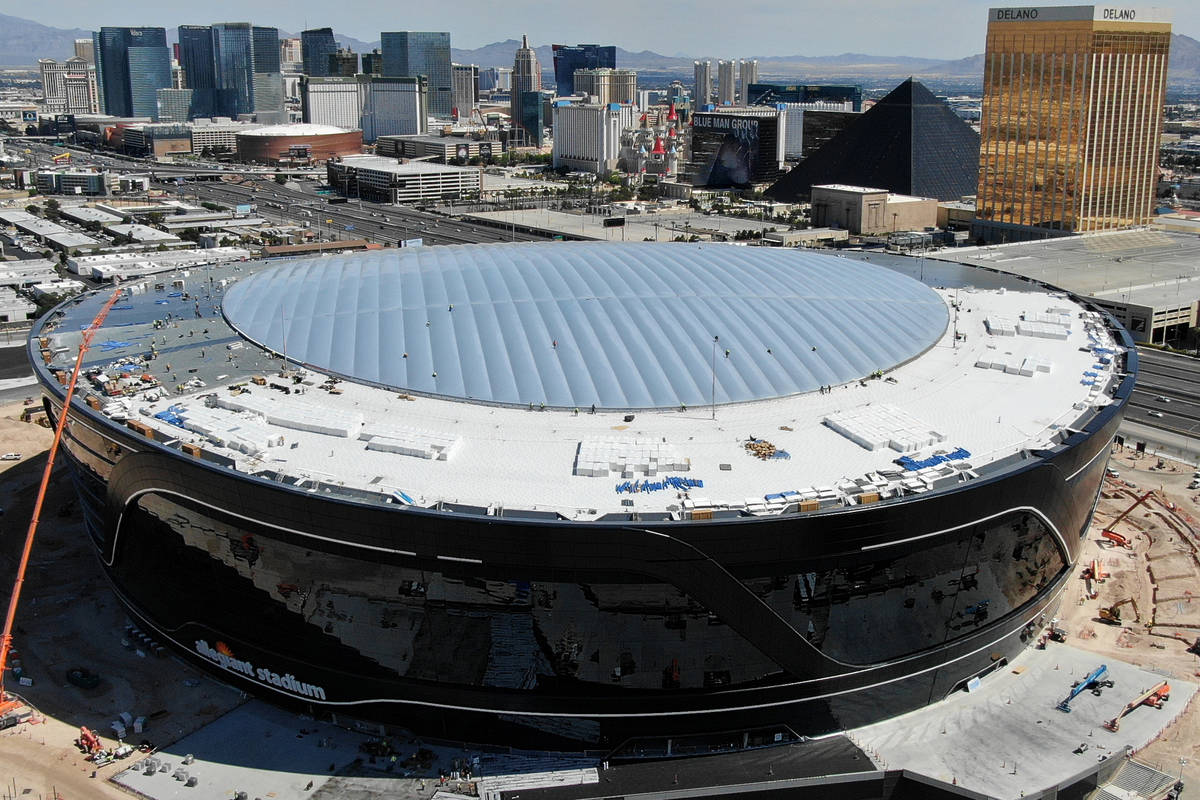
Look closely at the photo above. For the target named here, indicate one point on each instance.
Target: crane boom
(1109, 528)
(6, 637)
(1092, 681)
(1152, 697)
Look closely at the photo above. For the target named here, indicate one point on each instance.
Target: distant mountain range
(23, 42)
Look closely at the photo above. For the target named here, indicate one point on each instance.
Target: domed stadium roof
(618, 325)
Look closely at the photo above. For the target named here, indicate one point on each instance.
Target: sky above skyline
(711, 28)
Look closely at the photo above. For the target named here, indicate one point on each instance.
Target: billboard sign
(725, 148)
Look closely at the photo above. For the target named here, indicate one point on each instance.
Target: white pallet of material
(288, 412)
(1041, 330)
(598, 457)
(244, 434)
(1000, 326)
(875, 427)
(414, 442)
(1062, 320)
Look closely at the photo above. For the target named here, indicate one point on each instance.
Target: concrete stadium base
(1007, 738)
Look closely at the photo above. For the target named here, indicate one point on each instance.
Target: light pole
(714, 376)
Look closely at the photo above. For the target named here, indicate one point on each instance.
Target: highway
(1174, 378)
(260, 188)
(367, 218)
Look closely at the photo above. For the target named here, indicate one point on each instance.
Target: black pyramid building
(909, 142)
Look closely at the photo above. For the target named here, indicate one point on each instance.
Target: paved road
(365, 217)
(1167, 395)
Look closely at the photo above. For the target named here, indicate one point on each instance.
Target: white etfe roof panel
(575, 324)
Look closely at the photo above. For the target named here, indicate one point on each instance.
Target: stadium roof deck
(422, 450)
(1157, 269)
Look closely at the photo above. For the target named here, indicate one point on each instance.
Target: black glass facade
(568, 58)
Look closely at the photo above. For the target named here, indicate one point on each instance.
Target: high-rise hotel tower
(1072, 113)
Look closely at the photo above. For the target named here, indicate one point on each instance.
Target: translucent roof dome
(618, 325)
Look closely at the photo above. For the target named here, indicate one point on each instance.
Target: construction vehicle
(1154, 697)
(1094, 682)
(1116, 538)
(1112, 614)
(88, 742)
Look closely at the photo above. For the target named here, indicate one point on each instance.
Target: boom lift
(8, 703)
(1116, 538)
(1154, 697)
(1094, 682)
(1112, 614)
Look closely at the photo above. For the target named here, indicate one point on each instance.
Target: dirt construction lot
(68, 618)
(1160, 573)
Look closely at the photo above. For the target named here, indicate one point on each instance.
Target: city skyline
(918, 29)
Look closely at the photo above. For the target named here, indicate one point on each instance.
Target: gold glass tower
(1072, 114)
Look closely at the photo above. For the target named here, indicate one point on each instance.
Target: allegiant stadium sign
(223, 657)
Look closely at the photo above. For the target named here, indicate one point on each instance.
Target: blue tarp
(173, 415)
(679, 484)
(910, 463)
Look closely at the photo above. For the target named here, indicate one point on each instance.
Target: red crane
(9, 703)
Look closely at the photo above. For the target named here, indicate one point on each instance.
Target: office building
(495, 79)
(316, 46)
(909, 143)
(568, 59)
(85, 49)
(526, 92)
(1071, 119)
(217, 135)
(377, 105)
(291, 55)
(383, 180)
(343, 64)
(197, 59)
(233, 69)
(864, 211)
(132, 64)
(587, 138)
(69, 87)
(768, 94)
(747, 75)
(174, 105)
(607, 85)
(466, 89)
(372, 62)
(268, 74)
(443, 149)
(726, 87)
(233, 47)
(463, 569)
(407, 54)
(702, 83)
(333, 101)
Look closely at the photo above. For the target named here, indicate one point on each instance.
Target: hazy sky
(718, 28)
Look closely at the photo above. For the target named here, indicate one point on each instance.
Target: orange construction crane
(1155, 697)
(9, 703)
(1117, 538)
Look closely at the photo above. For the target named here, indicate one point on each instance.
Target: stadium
(296, 143)
(639, 498)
